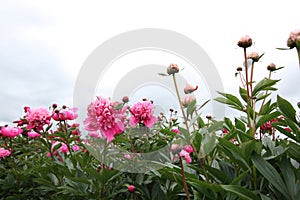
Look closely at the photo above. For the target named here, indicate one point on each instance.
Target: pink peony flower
(9, 131)
(188, 148)
(186, 156)
(142, 112)
(37, 118)
(65, 114)
(175, 130)
(131, 188)
(94, 134)
(75, 148)
(102, 116)
(64, 148)
(4, 153)
(33, 134)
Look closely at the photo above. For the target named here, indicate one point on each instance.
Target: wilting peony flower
(102, 116)
(4, 153)
(131, 188)
(190, 88)
(33, 134)
(172, 69)
(65, 114)
(142, 112)
(245, 42)
(9, 131)
(186, 156)
(188, 99)
(294, 36)
(37, 118)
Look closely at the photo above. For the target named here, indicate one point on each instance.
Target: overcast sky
(43, 44)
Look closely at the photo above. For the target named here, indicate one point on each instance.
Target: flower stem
(262, 104)
(248, 92)
(180, 103)
(184, 180)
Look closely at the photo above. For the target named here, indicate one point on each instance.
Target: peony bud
(189, 88)
(294, 36)
(254, 56)
(271, 67)
(187, 100)
(125, 99)
(172, 69)
(131, 188)
(245, 42)
(239, 69)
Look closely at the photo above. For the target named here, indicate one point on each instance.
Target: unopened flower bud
(298, 104)
(254, 56)
(131, 188)
(171, 109)
(245, 42)
(239, 69)
(144, 99)
(187, 100)
(125, 99)
(64, 107)
(54, 105)
(271, 67)
(294, 36)
(209, 117)
(172, 69)
(189, 88)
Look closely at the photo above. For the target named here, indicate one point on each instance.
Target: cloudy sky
(43, 44)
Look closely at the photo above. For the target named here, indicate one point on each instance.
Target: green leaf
(243, 94)
(230, 100)
(270, 173)
(266, 118)
(191, 108)
(243, 193)
(264, 84)
(286, 108)
(201, 123)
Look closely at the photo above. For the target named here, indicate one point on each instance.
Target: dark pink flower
(175, 130)
(65, 114)
(188, 148)
(131, 188)
(9, 131)
(64, 148)
(75, 148)
(4, 153)
(33, 134)
(142, 112)
(37, 118)
(102, 116)
(186, 156)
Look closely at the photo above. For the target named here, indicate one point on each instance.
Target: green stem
(184, 180)
(262, 104)
(248, 92)
(252, 99)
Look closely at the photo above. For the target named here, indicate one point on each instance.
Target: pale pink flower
(9, 131)
(142, 112)
(33, 134)
(75, 148)
(186, 156)
(188, 148)
(37, 118)
(188, 99)
(102, 116)
(190, 88)
(128, 156)
(4, 153)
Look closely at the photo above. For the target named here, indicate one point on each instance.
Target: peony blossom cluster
(37, 117)
(64, 114)
(102, 116)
